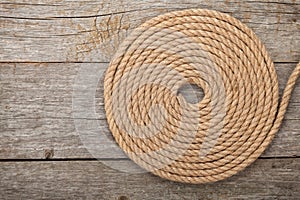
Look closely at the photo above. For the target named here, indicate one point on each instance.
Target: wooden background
(43, 44)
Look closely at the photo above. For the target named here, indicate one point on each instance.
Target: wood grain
(46, 45)
(44, 90)
(265, 179)
(30, 138)
(37, 112)
(91, 31)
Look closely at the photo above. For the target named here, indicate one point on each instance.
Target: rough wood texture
(36, 111)
(265, 179)
(44, 90)
(92, 30)
(36, 119)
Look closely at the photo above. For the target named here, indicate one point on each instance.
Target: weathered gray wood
(92, 30)
(30, 138)
(37, 120)
(36, 111)
(44, 90)
(265, 179)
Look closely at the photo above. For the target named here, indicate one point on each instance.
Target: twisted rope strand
(209, 140)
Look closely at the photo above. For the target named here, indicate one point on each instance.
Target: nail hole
(49, 153)
(123, 198)
(191, 93)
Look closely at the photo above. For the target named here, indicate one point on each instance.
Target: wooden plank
(92, 30)
(36, 112)
(265, 179)
(31, 138)
(44, 90)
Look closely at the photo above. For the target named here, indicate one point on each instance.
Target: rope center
(192, 93)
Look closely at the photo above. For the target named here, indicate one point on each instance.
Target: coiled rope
(198, 142)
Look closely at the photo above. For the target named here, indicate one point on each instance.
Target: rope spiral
(200, 142)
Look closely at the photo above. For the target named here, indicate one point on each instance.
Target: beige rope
(209, 140)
